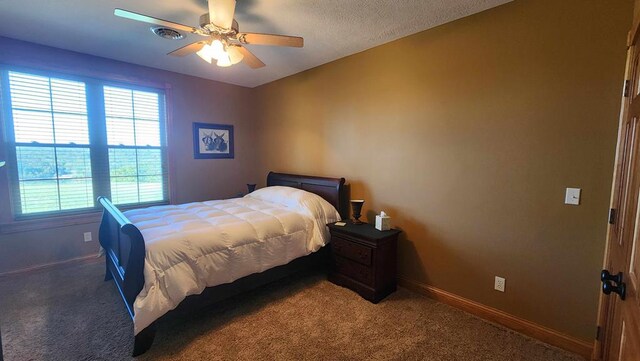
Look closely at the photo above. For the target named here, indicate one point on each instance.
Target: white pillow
(301, 201)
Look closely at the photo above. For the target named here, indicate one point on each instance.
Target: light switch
(572, 196)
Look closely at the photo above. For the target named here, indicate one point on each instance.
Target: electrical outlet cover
(87, 237)
(572, 196)
(499, 284)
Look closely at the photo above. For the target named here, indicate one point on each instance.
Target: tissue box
(383, 223)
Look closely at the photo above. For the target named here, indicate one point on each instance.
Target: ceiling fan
(224, 41)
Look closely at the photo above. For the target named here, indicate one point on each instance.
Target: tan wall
(192, 100)
(467, 135)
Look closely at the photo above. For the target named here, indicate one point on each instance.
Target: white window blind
(135, 153)
(67, 153)
(52, 143)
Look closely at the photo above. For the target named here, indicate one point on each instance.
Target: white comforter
(196, 245)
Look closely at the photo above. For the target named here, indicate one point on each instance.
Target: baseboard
(523, 326)
(78, 260)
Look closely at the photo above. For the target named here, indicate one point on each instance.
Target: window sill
(50, 222)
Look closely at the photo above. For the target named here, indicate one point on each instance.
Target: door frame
(607, 304)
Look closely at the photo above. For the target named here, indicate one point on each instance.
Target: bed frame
(125, 254)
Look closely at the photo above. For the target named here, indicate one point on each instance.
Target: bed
(131, 240)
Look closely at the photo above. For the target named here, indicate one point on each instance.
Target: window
(135, 151)
(72, 140)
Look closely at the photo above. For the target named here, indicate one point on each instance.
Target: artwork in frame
(212, 141)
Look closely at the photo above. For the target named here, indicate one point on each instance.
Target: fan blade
(249, 58)
(148, 19)
(271, 39)
(221, 12)
(188, 49)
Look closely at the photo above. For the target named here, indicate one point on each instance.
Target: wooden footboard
(124, 257)
(124, 251)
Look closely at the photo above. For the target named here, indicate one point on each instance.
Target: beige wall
(467, 135)
(192, 100)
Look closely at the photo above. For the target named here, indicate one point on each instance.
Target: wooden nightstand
(364, 259)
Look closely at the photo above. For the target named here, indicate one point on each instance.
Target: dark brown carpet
(300, 318)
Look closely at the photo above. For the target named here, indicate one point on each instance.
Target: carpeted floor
(300, 318)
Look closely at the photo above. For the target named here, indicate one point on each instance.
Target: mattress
(196, 245)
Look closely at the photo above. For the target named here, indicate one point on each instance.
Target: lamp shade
(205, 53)
(217, 49)
(234, 54)
(223, 60)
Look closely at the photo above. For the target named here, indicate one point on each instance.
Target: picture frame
(212, 141)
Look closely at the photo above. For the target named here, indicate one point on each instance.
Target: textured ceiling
(332, 29)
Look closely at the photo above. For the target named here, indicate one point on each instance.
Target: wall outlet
(499, 284)
(88, 237)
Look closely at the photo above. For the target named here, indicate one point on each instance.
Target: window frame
(14, 221)
(163, 140)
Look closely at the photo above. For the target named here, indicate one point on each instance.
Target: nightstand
(364, 259)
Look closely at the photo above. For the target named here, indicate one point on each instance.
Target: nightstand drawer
(354, 270)
(351, 250)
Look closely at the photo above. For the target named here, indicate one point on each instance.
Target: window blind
(135, 153)
(66, 153)
(51, 143)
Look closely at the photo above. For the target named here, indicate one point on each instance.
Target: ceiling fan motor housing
(206, 23)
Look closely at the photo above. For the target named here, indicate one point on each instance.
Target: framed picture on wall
(212, 141)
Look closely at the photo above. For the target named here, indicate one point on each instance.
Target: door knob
(606, 276)
(621, 289)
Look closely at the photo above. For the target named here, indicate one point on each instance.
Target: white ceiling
(332, 29)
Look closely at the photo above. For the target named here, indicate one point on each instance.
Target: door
(619, 314)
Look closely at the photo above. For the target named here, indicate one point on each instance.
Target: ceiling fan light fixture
(217, 49)
(235, 56)
(205, 53)
(224, 60)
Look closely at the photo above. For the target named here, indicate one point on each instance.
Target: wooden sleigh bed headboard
(331, 189)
